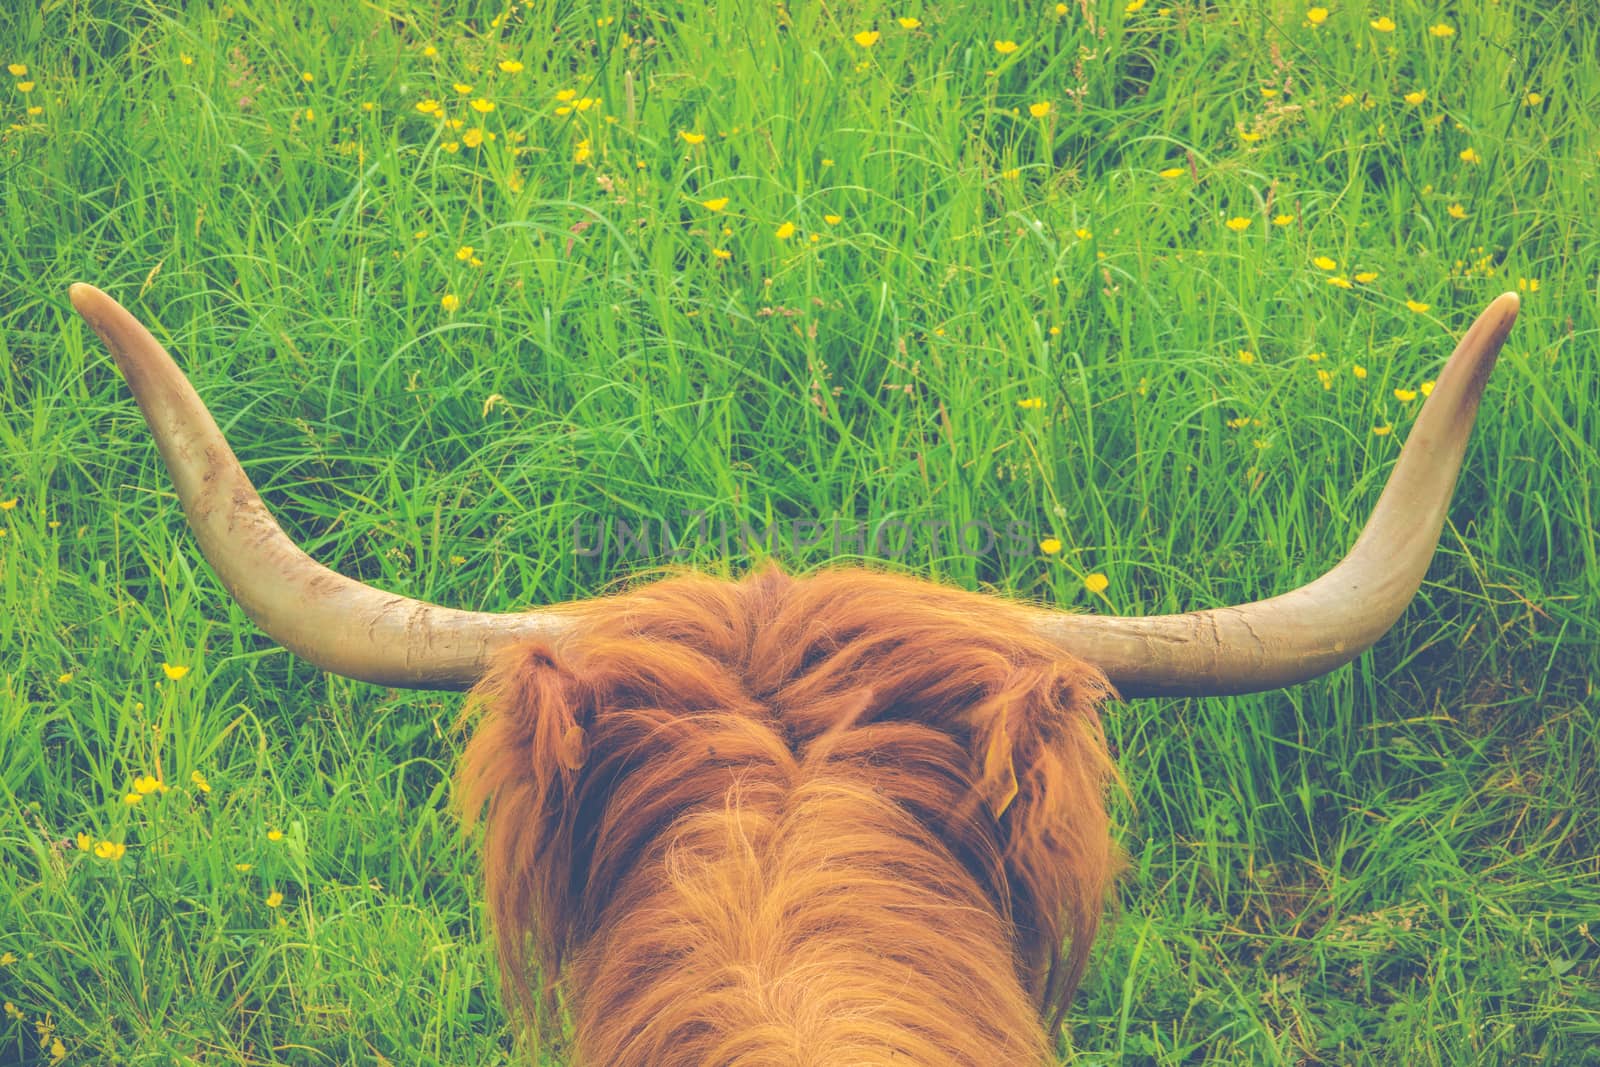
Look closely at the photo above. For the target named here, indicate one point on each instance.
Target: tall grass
(1165, 331)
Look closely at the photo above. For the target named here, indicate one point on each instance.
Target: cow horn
(1328, 622)
(335, 622)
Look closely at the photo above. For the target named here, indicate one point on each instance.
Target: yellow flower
(1528, 285)
(85, 842)
(186, 59)
(1456, 211)
(462, 88)
(1282, 220)
(1314, 357)
(1248, 137)
(243, 868)
(691, 138)
(1383, 24)
(1317, 15)
(1340, 280)
(472, 138)
(1096, 583)
(199, 781)
(1405, 394)
(428, 107)
(1415, 97)
(274, 899)
(1359, 371)
(907, 23)
(716, 203)
(174, 671)
(106, 850)
(1005, 48)
(1382, 431)
(449, 302)
(1417, 306)
(1050, 546)
(1324, 263)
(1030, 403)
(429, 51)
(1039, 110)
(1325, 378)
(307, 77)
(722, 253)
(566, 94)
(1366, 276)
(1172, 172)
(146, 784)
(15, 1012)
(64, 678)
(1246, 357)
(274, 835)
(131, 799)
(1011, 175)
(1534, 99)
(368, 105)
(1470, 155)
(465, 253)
(1133, 7)
(511, 66)
(833, 220)
(1426, 388)
(867, 38)
(482, 106)
(784, 232)
(1442, 29)
(1238, 224)
(1083, 233)
(17, 70)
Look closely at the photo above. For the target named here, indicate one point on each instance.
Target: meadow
(1152, 291)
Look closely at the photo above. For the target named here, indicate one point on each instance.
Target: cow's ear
(521, 772)
(1042, 766)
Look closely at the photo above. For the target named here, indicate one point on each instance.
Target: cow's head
(851, 814)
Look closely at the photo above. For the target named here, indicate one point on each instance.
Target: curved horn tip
(84, 296)
(94, 306)
(1506, 303)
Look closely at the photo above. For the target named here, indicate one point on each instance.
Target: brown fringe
(848, 818)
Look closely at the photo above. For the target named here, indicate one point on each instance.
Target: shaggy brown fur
(842, 819)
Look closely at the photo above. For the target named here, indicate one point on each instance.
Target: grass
(921, 303)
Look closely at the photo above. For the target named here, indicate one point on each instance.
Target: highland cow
(843, 818)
